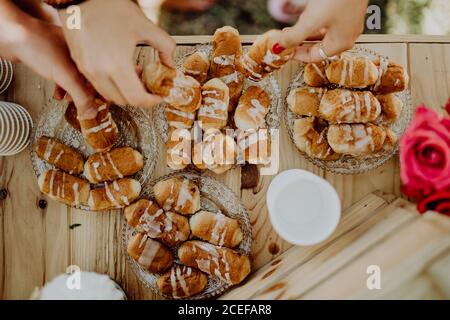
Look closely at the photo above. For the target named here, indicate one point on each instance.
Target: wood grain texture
(37, 244)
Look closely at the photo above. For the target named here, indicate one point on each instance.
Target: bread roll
(252, 109)
(58, 154)
(216, 228)
(179, 149)
(226, 264)
(213, 112)
(150, 254)
(101, 132)
(168, 227)
(64, 188)
(254, 147)
(345, 106)
(71, 116)
(225, 59)
(114, 195)
(112, 165)
(391, 107)
(305, 101)
(315, 74)
(179, 119)
(352, 72)
(182, 282)
(180, 91)
(392, 77)
(197, 66)
(181, 196)
(260, 60)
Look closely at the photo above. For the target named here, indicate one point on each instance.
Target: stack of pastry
(211, 91)
(167, 222)
(347, 107)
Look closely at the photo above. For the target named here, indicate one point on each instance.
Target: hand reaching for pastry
(41, 46)
(338, 22)
(104, 47)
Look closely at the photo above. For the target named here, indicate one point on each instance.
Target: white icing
(225, 60)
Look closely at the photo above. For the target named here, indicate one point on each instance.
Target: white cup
(6, 74)
(15, 128)
(304, 209)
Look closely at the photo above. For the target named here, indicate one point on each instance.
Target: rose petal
(447, 107)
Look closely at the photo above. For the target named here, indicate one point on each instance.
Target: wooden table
(37, 244)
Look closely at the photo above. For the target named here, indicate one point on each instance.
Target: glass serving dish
(214, 197)
(349, 164)
(135, 130)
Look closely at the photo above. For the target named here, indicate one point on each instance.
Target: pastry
(260, 60)
(213, 112)
(315, 74)
(360, 139)
(252, 109)
(197, 66)
(101, 132)
(114, 195)
(64, 187)
(59, 155)
(217, 152)
(180, 195)
(178, 149)
(345, 106)
(71, 116)
(168, 227)
(216, 228)
(352, 72)
(392, 77)
(391, 107)
(253, 146)
(179, 119)
(180, 91)
(150, 254)
(305, 101)
(226, 264)
(311, 138)
(112, 165)
(225, 57)
(182, 282)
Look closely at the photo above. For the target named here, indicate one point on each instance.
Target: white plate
(16, 131)
(3, 130)
(4, 76)
(304, 209)
(26, 124)
(9, 76)
(8, 126)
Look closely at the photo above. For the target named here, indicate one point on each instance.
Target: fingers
(59, 93)
(306, 26)
(159, 40)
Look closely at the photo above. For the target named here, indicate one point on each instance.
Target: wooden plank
(439, 273)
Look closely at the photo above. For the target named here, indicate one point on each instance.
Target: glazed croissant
(392, 77)
(216, 228)
(217, 152)
(178, 149)
(64, 188)
(254, 147)
(101, 132)
(260, 60)
(305, 101)
(179, 119)
(225, 57)
(182, 196)
(315, 74)
(114, 195)
(345, 106)
(61, 156)
(352, 72)
(312, 140)
(228, 265)
(213, 112)
(182, 282)
(391, 107)
(180, 91)
(197, 66)
(112, 165)
(252, 109)
(360, 139)
(168, 227)
(150, 254)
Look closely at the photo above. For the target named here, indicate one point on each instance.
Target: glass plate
(269, 84)
(349, 164)
(214, 197)
(135, 130)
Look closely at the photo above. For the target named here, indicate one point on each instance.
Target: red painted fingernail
(277, 48)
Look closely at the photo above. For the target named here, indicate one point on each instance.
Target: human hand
(41, 46)
(338, 22)
(104, 47)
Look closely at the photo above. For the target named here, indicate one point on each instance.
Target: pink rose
(425, 153)
(439, 202)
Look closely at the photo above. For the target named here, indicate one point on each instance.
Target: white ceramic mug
(304, 208)
(15, 128)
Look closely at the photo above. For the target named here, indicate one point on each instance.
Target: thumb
(306, 27)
